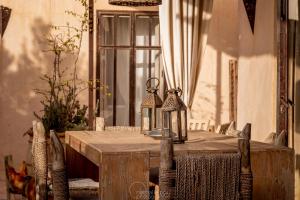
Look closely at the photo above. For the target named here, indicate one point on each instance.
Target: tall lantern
(150, 108)
(174, 117)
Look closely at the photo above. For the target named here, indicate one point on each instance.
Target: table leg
(124, 176)
(79, 166)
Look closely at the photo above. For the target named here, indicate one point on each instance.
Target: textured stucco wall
(230, 37)
(212, 93)
(257, 70)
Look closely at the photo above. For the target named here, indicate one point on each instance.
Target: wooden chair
(224, 128)
(10, 189)
(168, 177)
(277, 139)
(62, 188)
(196, 125)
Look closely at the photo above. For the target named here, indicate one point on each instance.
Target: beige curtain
(293, 10)
(184, 28)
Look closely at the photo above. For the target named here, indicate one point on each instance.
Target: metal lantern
(174, 117)
(150, 108)
(135, 2)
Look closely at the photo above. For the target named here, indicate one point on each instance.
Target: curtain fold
(184, 28)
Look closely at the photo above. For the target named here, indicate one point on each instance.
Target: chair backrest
(278, 139)
(281, 139)
(40, 163)
(222, 129)
(122, 128)
(196, 125)
(169, 175)
(270, 139)
(59, 174)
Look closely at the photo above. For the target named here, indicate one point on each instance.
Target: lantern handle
(148, 83)
(177, 90)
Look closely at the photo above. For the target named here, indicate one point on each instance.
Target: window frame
(132, 47)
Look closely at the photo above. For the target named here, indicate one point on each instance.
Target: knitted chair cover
(39, 152)
(208, 176)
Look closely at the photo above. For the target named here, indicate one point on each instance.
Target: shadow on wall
(20, 75)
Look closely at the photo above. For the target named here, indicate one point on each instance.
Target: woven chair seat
(83, 184)
(83, 188)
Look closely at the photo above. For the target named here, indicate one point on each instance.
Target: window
(128, 53)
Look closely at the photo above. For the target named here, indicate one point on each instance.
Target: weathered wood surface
(124, 176)
(233, 89)
(59, 174)
(272, 166)
(246, 178)
(166, 185)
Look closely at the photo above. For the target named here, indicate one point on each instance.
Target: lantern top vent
(173, 101)
(152, 99)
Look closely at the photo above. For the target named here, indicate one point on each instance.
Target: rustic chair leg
(60, 179)
(166, 189)
(246, 179)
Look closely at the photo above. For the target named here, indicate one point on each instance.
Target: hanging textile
(184, 29)
(294, 10)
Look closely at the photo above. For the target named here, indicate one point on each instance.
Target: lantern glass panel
(174, 124)
(158, 118)
(166, 123)
(183, 124)
(146, 119)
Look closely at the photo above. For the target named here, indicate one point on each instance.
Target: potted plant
(61, 108)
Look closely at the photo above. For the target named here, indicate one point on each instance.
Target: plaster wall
(257, 70)
(211, 102)
(230, 37)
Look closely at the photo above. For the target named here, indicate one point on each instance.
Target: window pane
(122, 88)
(141, 76)
(107, 79)
(107, 30)
(123, 30)
(155, 39)
(142, 31)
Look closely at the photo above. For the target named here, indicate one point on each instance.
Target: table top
(94, 144)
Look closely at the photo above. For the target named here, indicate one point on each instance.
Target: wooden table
(121, 161)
